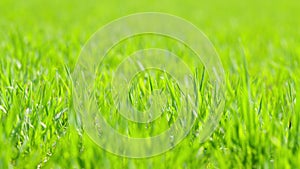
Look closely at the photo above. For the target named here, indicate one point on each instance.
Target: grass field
(259, 46)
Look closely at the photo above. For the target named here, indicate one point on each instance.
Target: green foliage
(258, 43)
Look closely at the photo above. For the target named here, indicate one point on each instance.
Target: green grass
(258, 43)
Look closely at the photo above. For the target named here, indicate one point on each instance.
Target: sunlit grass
(258, 44)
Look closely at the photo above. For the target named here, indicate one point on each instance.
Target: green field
(259, 46)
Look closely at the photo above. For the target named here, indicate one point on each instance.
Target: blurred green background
(258, 42)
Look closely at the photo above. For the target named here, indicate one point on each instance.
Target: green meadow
(258, 43)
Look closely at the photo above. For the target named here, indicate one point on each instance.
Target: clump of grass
(260, 124)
